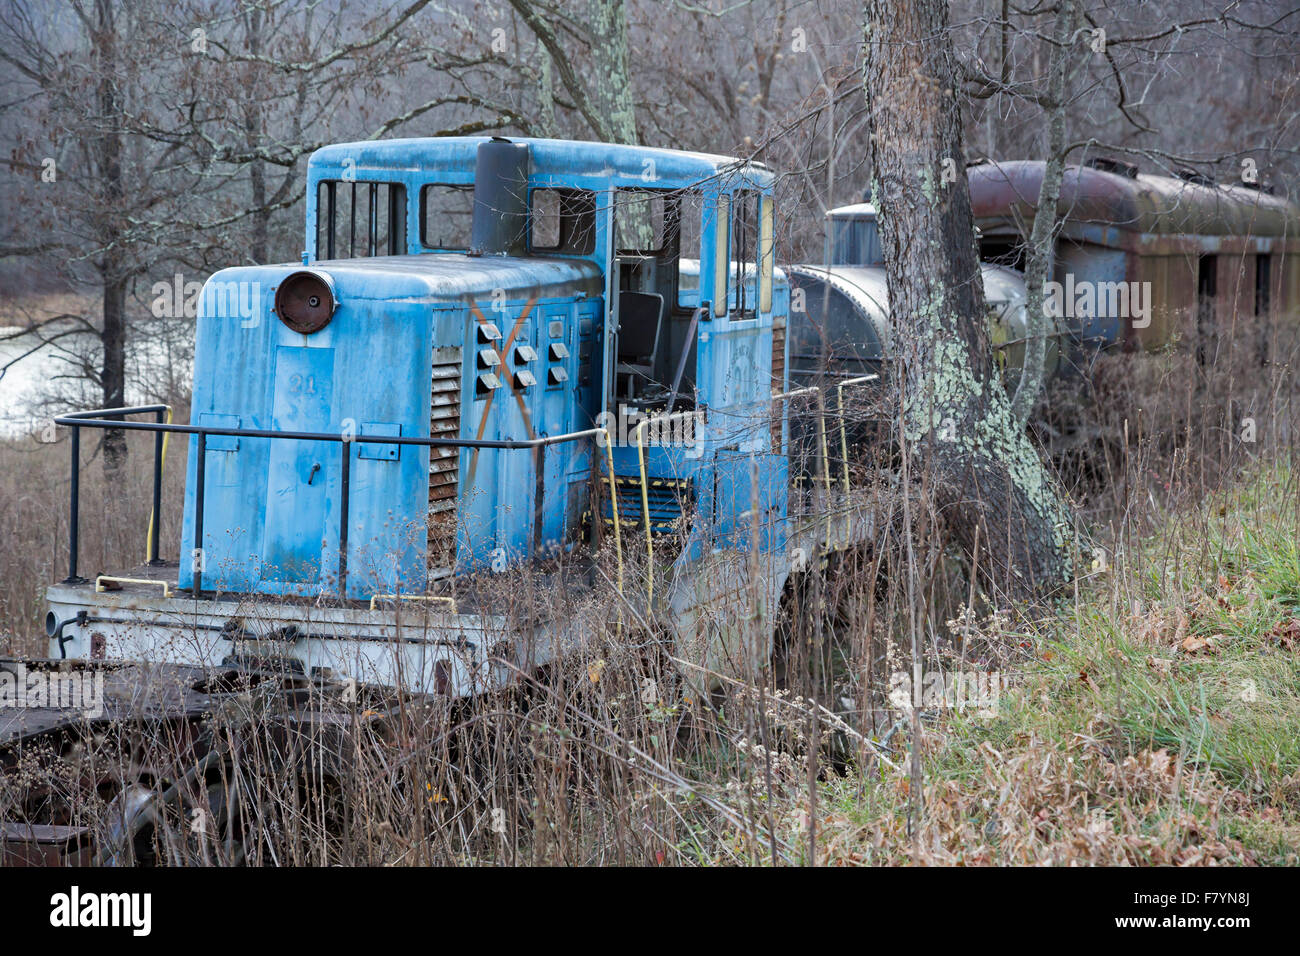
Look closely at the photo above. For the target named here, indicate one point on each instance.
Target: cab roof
(553, 162)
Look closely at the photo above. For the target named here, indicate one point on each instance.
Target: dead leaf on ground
(1287, 634)
(1161, 665)
(1195, 644)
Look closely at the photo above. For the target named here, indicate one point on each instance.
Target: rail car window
(640, 218)
(1263, 274)
(834, 334)
(1206, 290)
(360, 218)
(562, 220)
(856, 242)
(1206, 282)
(446, 216)
(1003, 251)
(744, 252)
(766, 254)
(690, 224)
(721, 238)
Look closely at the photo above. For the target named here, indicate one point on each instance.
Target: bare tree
(1043, 234)
(83, 81)
(153, 117)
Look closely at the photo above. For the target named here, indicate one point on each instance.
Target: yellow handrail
(603, 436)
(844, 441)
(449, 601)
(794, 393)
(645, 493)
(645, 513)
(162, 464)
(826, 461)
(99, 583)
(821, 432)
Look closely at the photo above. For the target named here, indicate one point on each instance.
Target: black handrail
(76, 420)
(95, 419)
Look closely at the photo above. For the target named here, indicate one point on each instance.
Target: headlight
(305, 301)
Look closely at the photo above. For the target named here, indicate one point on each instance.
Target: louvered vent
(444, 463)
(778, 379)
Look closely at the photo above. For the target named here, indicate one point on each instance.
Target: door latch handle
(314, 468)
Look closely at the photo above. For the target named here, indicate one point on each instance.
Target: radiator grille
(444, 463)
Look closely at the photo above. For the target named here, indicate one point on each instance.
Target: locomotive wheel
(816, 650)
(191, 822)
(810, 642)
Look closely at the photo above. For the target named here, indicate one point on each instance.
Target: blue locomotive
(529, 361)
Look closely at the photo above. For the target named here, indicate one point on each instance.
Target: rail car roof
(867, 288)
(1008, 191)
(565, 161)
(863, 211)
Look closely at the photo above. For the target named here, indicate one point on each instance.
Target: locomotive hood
(248, 292)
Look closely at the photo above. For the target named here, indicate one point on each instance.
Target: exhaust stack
(500, 225)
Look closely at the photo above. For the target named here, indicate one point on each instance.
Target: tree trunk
(113, 269)
(611, 83)
(605, 97)
(989, 483)
(545, 94)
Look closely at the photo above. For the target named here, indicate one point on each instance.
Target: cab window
(562, 220)
(640, 217)
(446, 216)
(360, 218)
(690, 219)
(766, 253)
(721, 259)
(744, 253)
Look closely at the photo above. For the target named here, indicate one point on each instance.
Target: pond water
(45, 380)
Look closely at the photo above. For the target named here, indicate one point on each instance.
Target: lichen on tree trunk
(611, 81)
(955, 417)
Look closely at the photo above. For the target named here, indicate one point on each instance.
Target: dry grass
(25, 311)
(34, 495)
